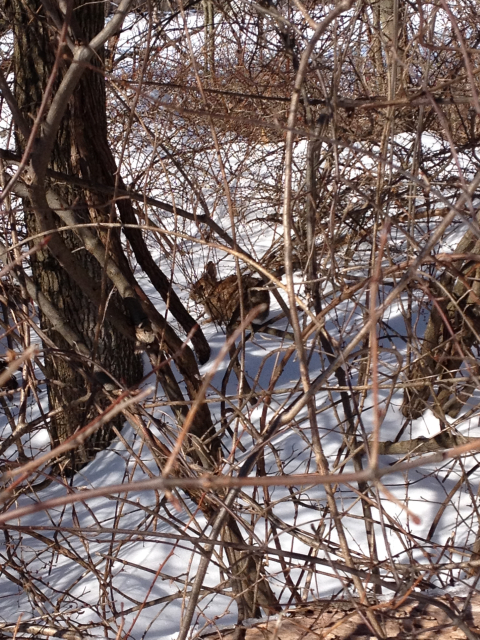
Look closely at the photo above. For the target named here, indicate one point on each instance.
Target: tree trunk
(448, 340)
(79, 143)
(209, 16)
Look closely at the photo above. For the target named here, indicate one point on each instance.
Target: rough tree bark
(82, 133)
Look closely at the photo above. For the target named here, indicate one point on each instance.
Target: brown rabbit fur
(221, 298)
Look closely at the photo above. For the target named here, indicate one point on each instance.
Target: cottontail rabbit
(221, 298)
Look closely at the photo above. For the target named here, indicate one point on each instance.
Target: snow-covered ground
(121, 565)
(129, 559)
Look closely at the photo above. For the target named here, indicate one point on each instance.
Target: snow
(138, 548)
(126, 562)
(138, 541)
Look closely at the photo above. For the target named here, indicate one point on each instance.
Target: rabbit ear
(211, 270)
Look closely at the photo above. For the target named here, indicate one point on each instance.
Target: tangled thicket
(330, 150)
